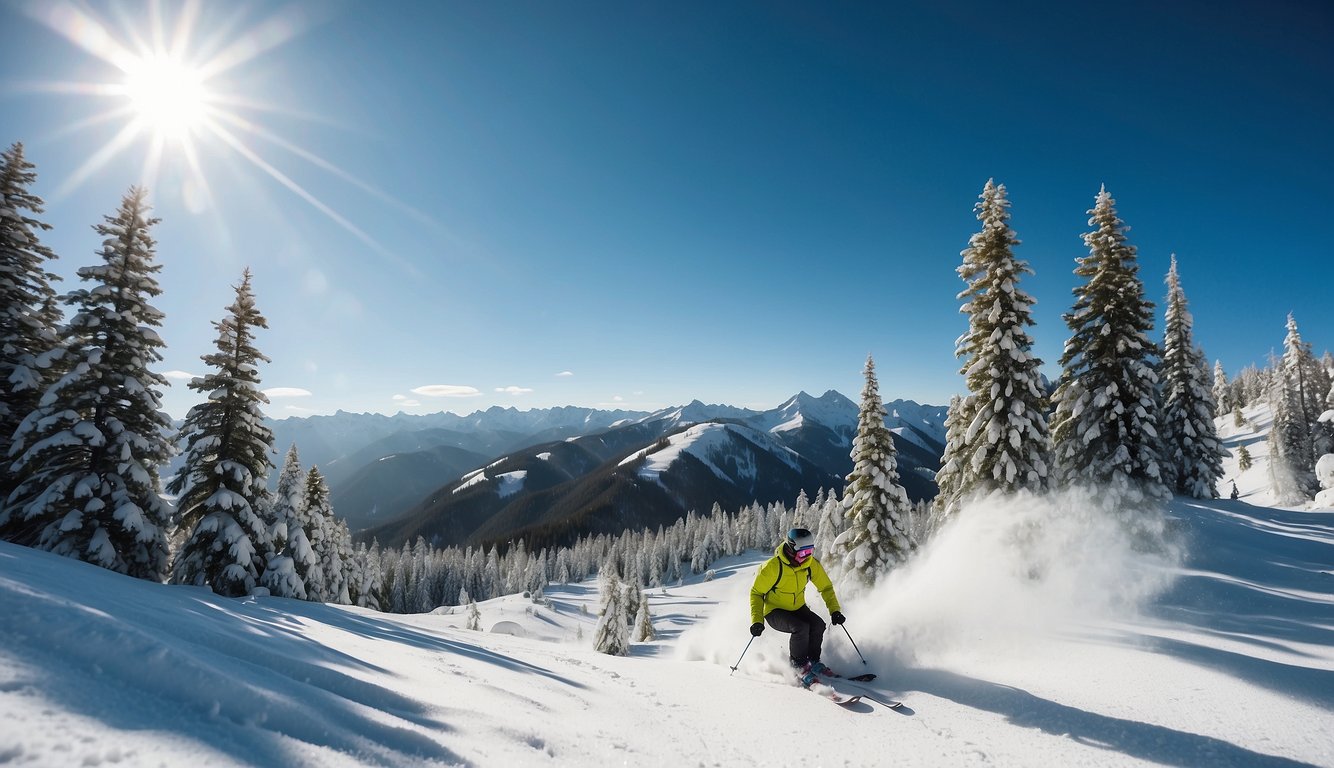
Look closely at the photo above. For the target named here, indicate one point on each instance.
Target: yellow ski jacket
(781, 583)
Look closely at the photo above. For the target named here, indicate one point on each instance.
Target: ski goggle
(804, 552)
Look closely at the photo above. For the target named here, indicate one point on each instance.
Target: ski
(842, 699)
(863, 678)
(866, 678)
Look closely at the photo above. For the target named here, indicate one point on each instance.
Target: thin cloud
(445, 390)
(406, 401)
(298, 409)
(514, 390)
(180, 375)
(565, 374)
(287, 392)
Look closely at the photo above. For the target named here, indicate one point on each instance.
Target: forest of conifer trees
(83, 436)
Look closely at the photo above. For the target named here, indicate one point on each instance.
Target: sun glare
(167, 96)
(173, 98)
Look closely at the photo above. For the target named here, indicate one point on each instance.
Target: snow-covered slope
(717, 447)
(1026, 633)
(831, 410)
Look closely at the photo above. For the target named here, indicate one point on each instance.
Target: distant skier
(779, 597)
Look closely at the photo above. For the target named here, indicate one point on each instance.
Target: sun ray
(66, 87)
(100, 158)
(179, 44)
(192, 161)
(239, 146)
(91, 121)
(319, 162)
(269, 34)
(152, 170)
(84, 30)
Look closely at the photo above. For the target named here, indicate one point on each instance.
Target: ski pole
(854, 644)
(742, 656)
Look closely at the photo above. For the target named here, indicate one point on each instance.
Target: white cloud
(180, 375)
(299, 409)
(566, 373)
(514, 390)
(618, 398)
(406, 401)
(286, 392)
(445, 390)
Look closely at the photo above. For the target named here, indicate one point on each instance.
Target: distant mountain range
(548, 475)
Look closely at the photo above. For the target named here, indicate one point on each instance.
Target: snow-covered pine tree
(287, 536)
(29, 315)
(491, 581)
(1322, 383)
(222, 483)
(831, 524)
(340, 561)
(612, 634)
(875, 503)
(643, 621)
(950, 476)
(1001, 440)
(474, 616)
(1222, 390)
(316, 516)
(1105, 427)
(802, 511)
(1193, 455)
(86, 459)
(1291, 458)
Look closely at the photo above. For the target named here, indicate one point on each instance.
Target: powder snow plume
(1009, 571)
(1005, 573)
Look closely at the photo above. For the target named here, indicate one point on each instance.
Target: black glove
(837, 618)
(756, 629)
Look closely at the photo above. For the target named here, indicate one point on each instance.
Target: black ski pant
(807, 632)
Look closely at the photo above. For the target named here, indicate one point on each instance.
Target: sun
(167, 97)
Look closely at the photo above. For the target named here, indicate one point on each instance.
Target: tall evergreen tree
(29, 313)
(612, 634)
(1004, 445)
(1105, 428)
(222, 484)
(288, 540)
(1193, 455)
(831, 525)
(317, 519)
(1291, 455)
(1222, 390)
(951, 475)
(643, 621)
(87, 458)
(877, 505)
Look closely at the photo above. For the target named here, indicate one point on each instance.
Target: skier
(779, 597)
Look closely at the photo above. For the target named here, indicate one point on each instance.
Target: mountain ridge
(744, 457)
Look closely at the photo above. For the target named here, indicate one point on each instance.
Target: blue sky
(640, 204)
